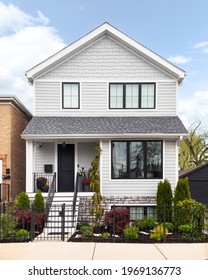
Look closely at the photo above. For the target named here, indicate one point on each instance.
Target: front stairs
(61, 223)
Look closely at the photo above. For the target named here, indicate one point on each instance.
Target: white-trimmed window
(70, 95)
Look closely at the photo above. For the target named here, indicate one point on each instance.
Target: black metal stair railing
(50, 197)
(75, 192)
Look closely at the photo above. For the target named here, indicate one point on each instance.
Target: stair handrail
(75, 193)
(50, 196)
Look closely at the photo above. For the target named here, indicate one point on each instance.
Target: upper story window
(70, 95)
(132, 96)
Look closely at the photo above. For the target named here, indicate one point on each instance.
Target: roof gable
(96, 34)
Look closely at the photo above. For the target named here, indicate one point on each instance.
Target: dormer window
(132, 96)
(70, 95)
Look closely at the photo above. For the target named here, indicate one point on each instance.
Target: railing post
(8, 192)
(63, 222)
(114, 223)
(164, 221)
(32, 234)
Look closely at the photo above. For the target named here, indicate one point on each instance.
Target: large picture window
(70, 95)
(136, 159)
(132, 96)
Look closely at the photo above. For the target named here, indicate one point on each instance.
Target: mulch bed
(14, 240)
(172, 238)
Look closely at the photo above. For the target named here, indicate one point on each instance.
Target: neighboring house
(106, 87)
(198, 182)
(14, 117)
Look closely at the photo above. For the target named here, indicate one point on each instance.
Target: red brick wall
(12, 147)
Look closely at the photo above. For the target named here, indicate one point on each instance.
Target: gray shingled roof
(104, 125)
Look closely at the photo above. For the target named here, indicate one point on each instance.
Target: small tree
(39, 204)
(164, 200)
(182, 190)
(23, 201)
(97, 208)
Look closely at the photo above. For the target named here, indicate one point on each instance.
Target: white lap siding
(44, 155)
(134, 187)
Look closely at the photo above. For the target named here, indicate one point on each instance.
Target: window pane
(119, 160)
(136, 213)
(132, 96)
(116, 96)
(147, 96)
(136, 159)
(71, 95)
(151, 212)
(154, 159)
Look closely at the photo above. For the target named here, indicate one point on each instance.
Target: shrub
(86, 231)
(185, 229)
(23, 201)
(131, 232)
(164, 198)
(22, 233)
(39, 204)
(105, 235)
(146, 224)
(168, 225)
(24, 220)
(159, 233)
(7, 225)
(120, 215)
(193, 213)
(182, 191)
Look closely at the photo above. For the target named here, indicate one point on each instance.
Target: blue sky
(177, 30)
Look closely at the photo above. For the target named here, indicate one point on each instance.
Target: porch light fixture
(64, 145)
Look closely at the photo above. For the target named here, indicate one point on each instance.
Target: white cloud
(202, 45)
(194, 108)
(25, 41)
(179, 59)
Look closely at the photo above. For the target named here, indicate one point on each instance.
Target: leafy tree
(193, 151)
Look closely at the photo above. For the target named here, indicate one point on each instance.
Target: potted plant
(86, 184)
(41, 182)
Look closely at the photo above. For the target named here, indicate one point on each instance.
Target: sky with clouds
(31, 31)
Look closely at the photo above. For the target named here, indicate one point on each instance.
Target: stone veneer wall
(108, 201)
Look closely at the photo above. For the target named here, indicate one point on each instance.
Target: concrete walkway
(53, 250)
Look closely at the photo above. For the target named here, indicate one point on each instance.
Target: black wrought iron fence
(119, 224)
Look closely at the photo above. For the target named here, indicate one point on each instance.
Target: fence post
(0, 193)
(164, 221)
(8, 192)
(32, 234)
(63, 222)
(114, 223)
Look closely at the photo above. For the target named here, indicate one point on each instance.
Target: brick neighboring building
(14, 117)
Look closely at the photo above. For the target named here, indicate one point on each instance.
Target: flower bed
(143, 237)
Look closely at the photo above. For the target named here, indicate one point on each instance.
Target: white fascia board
(93, 35)
(103, 136)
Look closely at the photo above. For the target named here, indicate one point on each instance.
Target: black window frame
(70, 83)
(145, 159)
(139, 96)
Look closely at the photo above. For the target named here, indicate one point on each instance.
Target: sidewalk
(52, 250)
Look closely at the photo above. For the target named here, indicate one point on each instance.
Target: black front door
(65, 168)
